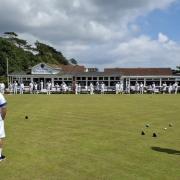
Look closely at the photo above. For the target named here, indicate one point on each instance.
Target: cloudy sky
(100, 33)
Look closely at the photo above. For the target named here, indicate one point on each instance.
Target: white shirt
(164, 86)
(15, 85)
(31, 85)
(2, 86)
(91, 86)
(76, 86)
(170, 87)
(117, 86)
(22, 86)
(35, 86)
(175, 85)
(2, 100)
(102, 86)
(121, 86)
(49, 86)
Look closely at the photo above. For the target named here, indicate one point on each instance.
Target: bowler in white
(3, 110)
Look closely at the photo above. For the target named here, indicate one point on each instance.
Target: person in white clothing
(3, 111)
(91, 88)
(102, 88)
(31, 86)
(141, 88)
(76, 88)
(56, 87)
(128, 88)
(86, 88)
(121, 87)
(15, 87)
(35, 88)
(137, 87)
(97, 87)
(21, 88)
(2, 88)
(175, 87)
(117, 87)
(170, 88)
(48, 88)
(164, 87)
(41, 86)
(79, 88)
(153, 87)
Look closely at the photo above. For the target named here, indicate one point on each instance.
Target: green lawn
(83, 137)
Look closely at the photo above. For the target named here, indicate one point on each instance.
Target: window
(164, 79)
(42, 66)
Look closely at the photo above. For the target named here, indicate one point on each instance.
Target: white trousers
(2, 131)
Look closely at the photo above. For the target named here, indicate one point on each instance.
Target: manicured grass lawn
(68, 137)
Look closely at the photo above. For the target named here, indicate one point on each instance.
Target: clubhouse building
(110, 76)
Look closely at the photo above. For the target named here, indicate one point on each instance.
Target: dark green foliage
(178, 68)
(46, 53)
(21, 55)
(10, 34)
(73, 61)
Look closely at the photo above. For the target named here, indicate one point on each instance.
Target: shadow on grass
(166, 150)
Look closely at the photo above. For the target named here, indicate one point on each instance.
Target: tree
(73, 61)
(178, 68)
(47, 52)
(21, 55)
(11, 34)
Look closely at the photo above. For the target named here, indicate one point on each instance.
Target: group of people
(152, 88)
(171, 88)
(98, 88)
(33, 88)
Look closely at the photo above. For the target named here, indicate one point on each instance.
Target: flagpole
(7, 70)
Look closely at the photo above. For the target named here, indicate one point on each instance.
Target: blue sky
(166, 21)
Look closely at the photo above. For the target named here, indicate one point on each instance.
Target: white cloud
(96, 32)
(162, 38)
(144, 51)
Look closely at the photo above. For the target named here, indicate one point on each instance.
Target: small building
(47, 72)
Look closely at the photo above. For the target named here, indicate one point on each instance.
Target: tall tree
(22, 55)
(10, 34)
(73, 61)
